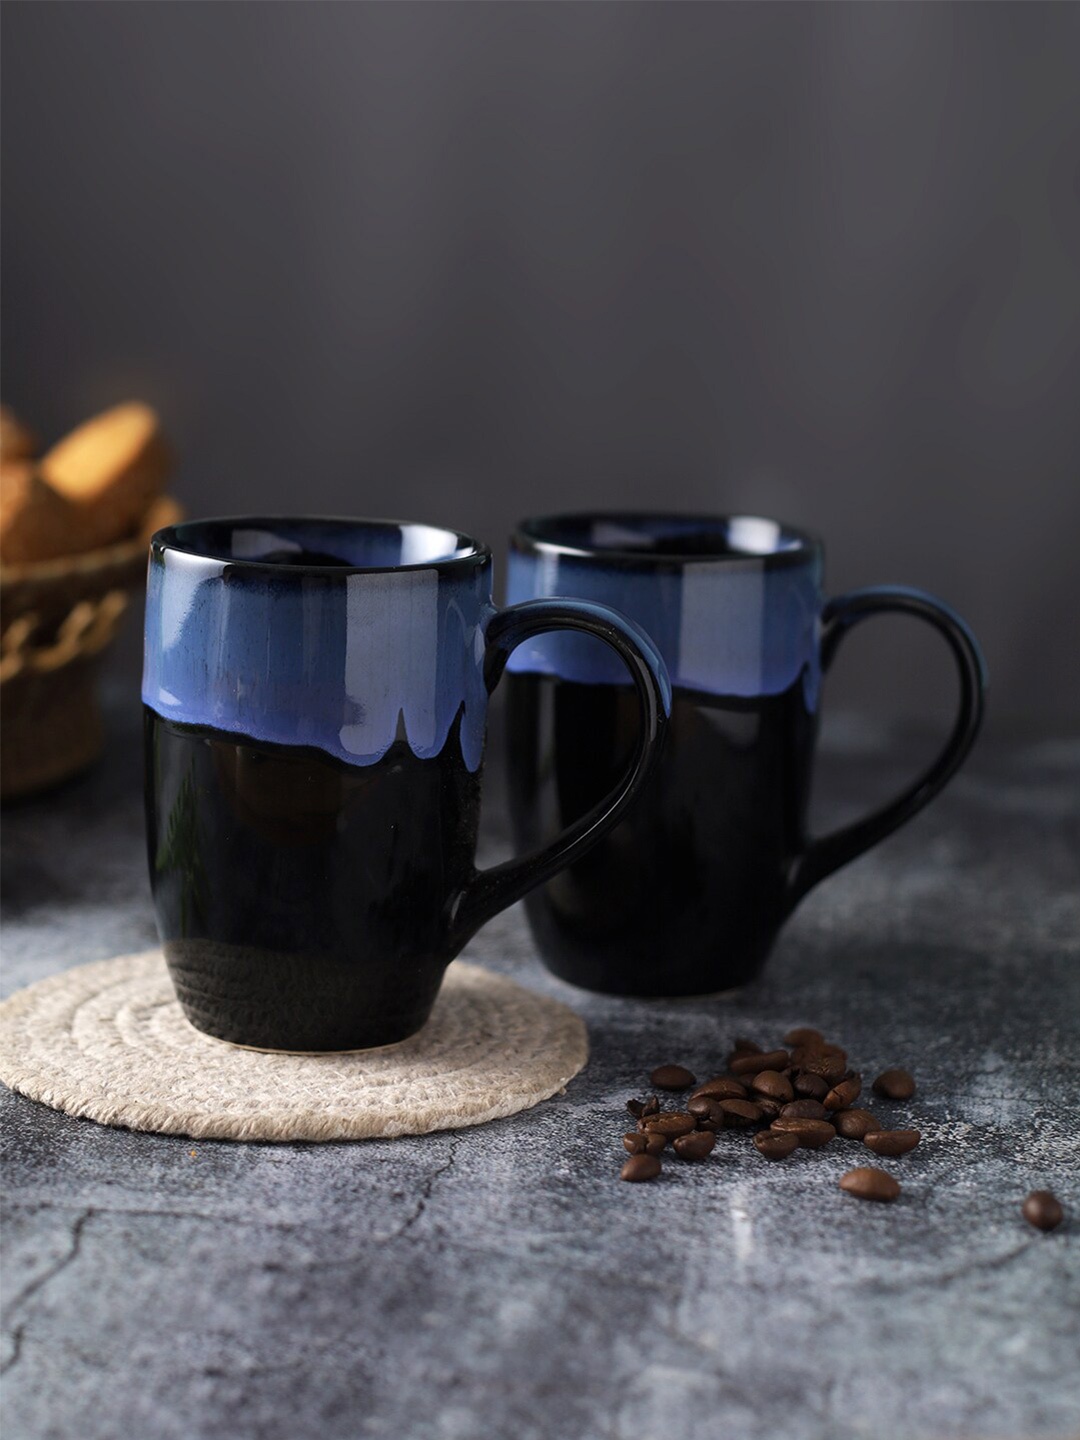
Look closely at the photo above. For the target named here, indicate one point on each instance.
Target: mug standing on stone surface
(315, 696)
(686, 895)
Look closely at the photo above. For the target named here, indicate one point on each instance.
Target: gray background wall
(461, 262)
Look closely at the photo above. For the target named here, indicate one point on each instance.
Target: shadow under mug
(315, 696)
(687, 894)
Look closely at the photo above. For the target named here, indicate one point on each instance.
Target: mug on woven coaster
(315, 705)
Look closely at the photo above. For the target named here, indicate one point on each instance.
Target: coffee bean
(1042, 1209)
(652, 1141)
(696, 1146)
(640, 1167)
(670, 1123)
(740, 1112)
(866, 1183)
(672, 1077)
(722, 1088)
(746, 1047)
(829, 1062)
(812, 1134)
(813, 1087)
(638, 1108)
(803, 1035)
(806, 1110)
(774, 1085)
(634, 1143)
(770, 1109)
(895, 1085)
(891, 1142)
(754, 1064)
(854, 1124)
(843, 1095)
(706, 1112)
(776, 1144)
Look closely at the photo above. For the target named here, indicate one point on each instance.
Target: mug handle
(842, 614)
(493, 890)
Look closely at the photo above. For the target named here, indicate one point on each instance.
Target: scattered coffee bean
(670, 1123)
(672, 1077)
(638, 1108)
(895, 1085)
(706, 1112)
(696, 1146)
(806, 1110)
(776, 1144)
(811, 1134)
(891, 1142)
(774, 1085)
(854, 1124)
(754, 1064)
(770, 1109)
(1042, 1209)
(634, 1143)
(867, 1183)
(740, 1112)
(803, 1035)
(844, 1094)
(829, 1062)
(813, 1087)
(640, 1167)
(722, 1088)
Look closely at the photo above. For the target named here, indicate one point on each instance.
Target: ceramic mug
(315, 696)
(686, 895)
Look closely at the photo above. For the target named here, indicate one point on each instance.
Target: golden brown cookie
(17, 442)
(35, 522)
(109, 469)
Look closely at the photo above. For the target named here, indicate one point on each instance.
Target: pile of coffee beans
(801, 1096)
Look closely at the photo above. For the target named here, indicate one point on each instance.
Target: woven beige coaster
(109, 1041)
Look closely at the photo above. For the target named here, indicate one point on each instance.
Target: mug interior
(642, 535)
(307, 542)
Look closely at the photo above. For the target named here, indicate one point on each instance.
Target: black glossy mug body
(687, 894)
(315, 696)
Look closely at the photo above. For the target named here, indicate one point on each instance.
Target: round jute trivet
(109, 1041)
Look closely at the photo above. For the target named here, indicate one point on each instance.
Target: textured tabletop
(501, 1281)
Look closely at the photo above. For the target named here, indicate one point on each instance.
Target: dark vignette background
(467, 261)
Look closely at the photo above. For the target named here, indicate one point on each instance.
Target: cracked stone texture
(500, 1281)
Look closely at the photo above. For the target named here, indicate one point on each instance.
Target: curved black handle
(493, 890)
(842, 614)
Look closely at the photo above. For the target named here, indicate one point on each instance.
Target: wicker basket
(57, 618)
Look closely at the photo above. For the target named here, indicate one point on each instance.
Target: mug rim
(476, 552)
(529, 535)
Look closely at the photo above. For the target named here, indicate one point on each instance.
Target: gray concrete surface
(501, 1282)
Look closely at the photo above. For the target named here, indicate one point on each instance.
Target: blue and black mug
(687, 894)
(315, 696)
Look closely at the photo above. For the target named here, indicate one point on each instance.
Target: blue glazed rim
(180, 538)
(536, 536)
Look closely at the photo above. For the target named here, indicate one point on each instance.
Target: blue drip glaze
(347, 660)
(732, 625)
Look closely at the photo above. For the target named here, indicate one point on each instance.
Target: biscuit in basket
(16, 441)
(35, 522)
(109, 470)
